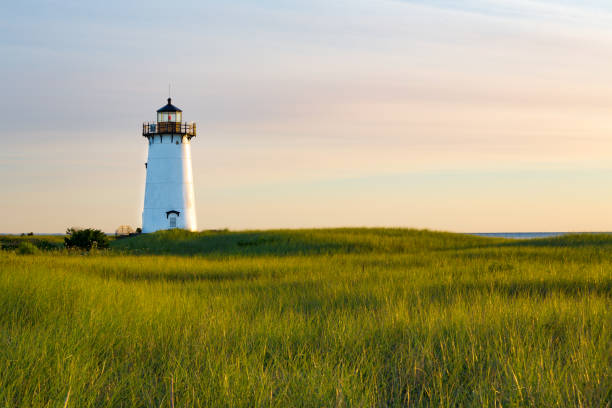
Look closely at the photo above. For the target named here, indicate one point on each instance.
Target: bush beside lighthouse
(169, 199)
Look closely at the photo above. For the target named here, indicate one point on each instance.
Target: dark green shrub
(85, 239)
(27, 248)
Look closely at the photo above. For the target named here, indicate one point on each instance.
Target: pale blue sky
(479, 115)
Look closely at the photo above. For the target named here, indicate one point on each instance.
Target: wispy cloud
(592, 12)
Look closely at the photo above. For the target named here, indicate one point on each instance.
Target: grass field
(312, 318)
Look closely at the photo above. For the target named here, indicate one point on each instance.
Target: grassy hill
(341, 317)
(333, 241)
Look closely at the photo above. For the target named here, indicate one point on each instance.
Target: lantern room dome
(169, 107)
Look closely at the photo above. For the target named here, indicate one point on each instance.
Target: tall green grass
(345, 317)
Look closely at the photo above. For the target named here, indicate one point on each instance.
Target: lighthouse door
(172, 221)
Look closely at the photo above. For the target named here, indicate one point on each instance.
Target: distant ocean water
(528, 235)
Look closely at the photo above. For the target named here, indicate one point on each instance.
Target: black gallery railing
(176, 128)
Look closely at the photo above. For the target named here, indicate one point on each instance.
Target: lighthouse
(169, 200)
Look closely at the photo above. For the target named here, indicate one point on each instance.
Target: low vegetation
(342, 317)
(42, 242)
(85, 239)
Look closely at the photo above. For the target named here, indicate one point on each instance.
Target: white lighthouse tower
(169, 201)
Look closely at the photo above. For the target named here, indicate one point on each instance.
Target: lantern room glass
(169, 117)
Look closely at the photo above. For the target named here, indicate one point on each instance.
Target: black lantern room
(169, 122)
(169, 113)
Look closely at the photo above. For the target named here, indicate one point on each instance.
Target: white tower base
(169, 200)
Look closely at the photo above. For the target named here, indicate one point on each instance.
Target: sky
(465, 116)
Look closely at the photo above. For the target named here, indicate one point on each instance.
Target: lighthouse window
(169, 117)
